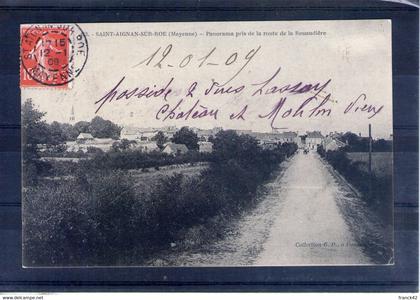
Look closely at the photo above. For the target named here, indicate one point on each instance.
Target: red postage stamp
(51, 55)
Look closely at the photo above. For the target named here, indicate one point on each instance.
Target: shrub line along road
(299, 221)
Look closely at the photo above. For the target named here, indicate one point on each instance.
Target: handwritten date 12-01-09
(164, 57)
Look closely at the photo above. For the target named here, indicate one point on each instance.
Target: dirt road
(309, 228)
(301, 219)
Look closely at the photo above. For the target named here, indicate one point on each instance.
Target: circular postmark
(53, 54)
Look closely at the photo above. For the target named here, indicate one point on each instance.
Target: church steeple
(72, 118)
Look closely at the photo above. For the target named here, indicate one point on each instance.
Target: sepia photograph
(222, 144)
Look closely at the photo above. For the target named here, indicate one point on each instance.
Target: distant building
(129, 133)
(104, 144)
(336, 135)
(205, 147)
(146, 146)
(300, 141)
(275, 137)
(84, 137)
(313, 139)
(175, 149)
(134, 133)
(264, 137)
(144, 134)
(169, 131)
(204, 134)
(287, 137)
(331, 143)
(85, 141)
(72, 146)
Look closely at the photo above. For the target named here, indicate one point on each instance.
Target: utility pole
(370, 160)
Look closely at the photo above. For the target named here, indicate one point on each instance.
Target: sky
(350, 61)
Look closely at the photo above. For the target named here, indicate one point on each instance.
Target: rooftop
(84, 135)
(314, 134)
(177, 147)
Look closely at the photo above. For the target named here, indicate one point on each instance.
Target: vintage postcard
(207, 144)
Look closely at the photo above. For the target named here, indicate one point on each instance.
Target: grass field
(146, 179)
(381, 161)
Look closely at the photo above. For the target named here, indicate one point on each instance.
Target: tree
(229, 145)
(94, 150)
(35, 131)
(211, 139)
(82, 126)
(61, 132)
(382, 145)
(350, 138)
(187, 137)
(98, 127)
(56, 135)
(101, 128)
(355, 143)
(122, 145)
(69, 132)
(160, 139)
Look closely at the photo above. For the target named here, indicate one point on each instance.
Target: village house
(287, 137)
(84, 137)
(263, 137)
(85, 141)
(313, 139)
(169, 131)
(337, 135)
(135, 133)
(129, 133)
(104, 144)
(205, 134)
(331, 143)
(275, 137)
(300, 141)
(146, 146)
(145, 134)
(175, 149)
(205, 147)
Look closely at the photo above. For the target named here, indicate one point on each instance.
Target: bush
(92, 220)
(98, 218)
(376, 190)
(62, 168)
(173, 207)
(29, 174)
(226, 187)
(115, 212)
(136, 159)
(31, 171)
(58, 227)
